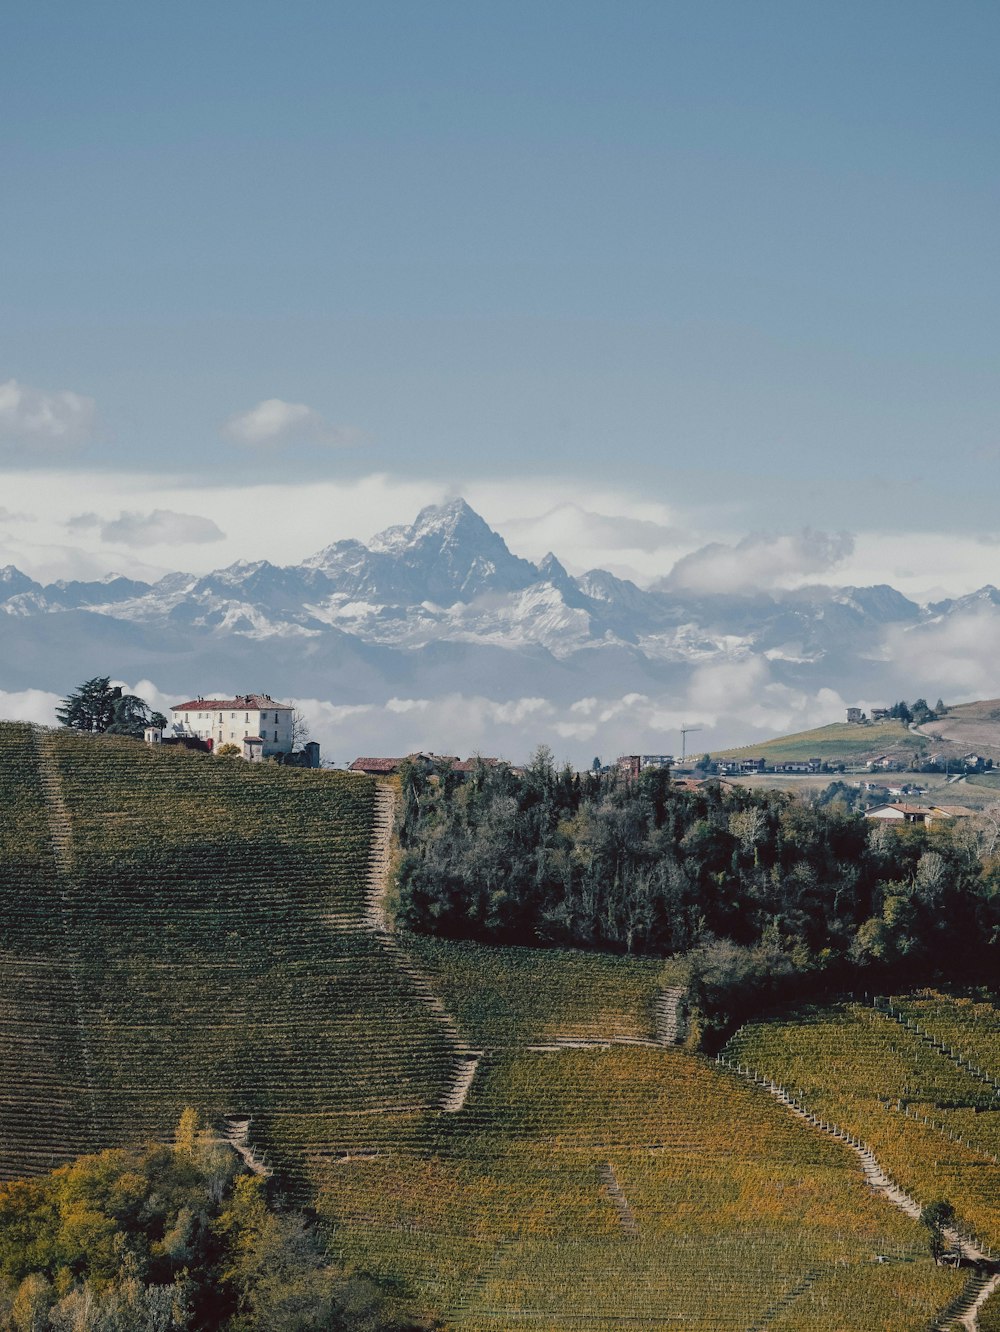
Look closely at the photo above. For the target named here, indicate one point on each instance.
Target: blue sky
(734, 260)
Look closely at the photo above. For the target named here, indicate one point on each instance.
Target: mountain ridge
(441, 607)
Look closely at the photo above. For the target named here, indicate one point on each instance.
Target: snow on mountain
(441, 608)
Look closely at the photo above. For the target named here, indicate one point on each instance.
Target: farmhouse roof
(247, 702)
(471, 764)
(375, 764)
(909, 811)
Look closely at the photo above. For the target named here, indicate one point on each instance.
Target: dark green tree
(98, 707)
(936, 1216)
(91, 706)
(132, 716)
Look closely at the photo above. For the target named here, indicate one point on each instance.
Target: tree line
(759, 890)
(172, 1238)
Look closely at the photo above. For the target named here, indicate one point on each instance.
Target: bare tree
(300, 728)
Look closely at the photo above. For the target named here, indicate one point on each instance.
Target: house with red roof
(230, 721)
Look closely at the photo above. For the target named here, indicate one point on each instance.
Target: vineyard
(181, 930)
(931, 1116)
(178, 930)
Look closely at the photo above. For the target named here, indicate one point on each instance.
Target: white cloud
(572, 525)
(161, 527)
(284, 523)
(274, 422)
(29, 705)
(954, 658)
(759, 561)
(33, 415)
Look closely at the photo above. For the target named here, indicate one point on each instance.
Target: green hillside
(614, 1183)
(495, 1131)
(181, 930)
(930, 1118)
(839, 742)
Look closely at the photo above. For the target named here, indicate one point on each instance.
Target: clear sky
(728, 264)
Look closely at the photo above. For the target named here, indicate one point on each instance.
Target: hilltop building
(231, 721)
(631, 765)
(386, 767)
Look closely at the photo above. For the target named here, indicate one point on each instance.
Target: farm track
(236, 1134)
(61, 834)
(626, 1217)
(378, 920)
(669, 1015)
(964, 1309)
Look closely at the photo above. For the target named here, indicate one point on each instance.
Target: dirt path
(979, 1286)
(61, 834)
(236, 1132)
(626, 1217)
(378, 919)
(671, 1024)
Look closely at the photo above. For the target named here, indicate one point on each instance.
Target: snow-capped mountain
(442, 608)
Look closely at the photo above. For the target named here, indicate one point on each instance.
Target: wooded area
(763, 892)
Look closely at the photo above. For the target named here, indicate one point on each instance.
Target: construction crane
(685, 732)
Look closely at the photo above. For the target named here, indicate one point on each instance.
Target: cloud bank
(274, 422)
(759, 561)
(32, 415)
(162, 527)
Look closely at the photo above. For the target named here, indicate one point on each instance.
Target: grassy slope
(838, 742)
(207, 948)
(500, 1216)
(204, 949)
(932, 1124)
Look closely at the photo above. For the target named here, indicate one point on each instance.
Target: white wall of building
(231, 725)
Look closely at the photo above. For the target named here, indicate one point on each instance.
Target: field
(932, 1119)
(970, 726)
(616, 1184)
(839, 742)
(177, 929)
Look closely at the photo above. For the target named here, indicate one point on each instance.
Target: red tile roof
(375, 764)
(247, 702)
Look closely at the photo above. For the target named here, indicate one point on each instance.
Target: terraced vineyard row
(506, 1216)
(933, 1125)
(618, 1184)
(192, 935)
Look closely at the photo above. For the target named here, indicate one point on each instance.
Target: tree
(131, 717)
(936, 1216)
(98, 707)
(91, 707)
(300, 729)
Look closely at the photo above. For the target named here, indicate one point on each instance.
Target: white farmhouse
(230, 721)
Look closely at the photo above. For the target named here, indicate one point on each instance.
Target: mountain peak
(454, 520)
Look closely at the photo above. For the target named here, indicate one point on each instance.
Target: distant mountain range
(443, 608)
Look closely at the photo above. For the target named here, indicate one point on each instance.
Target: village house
(855, 716)
(253, 718)
(900, 813)
(630, 765)
(800, 765)
(386, 767)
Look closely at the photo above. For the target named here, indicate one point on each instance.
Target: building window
(276, 737)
